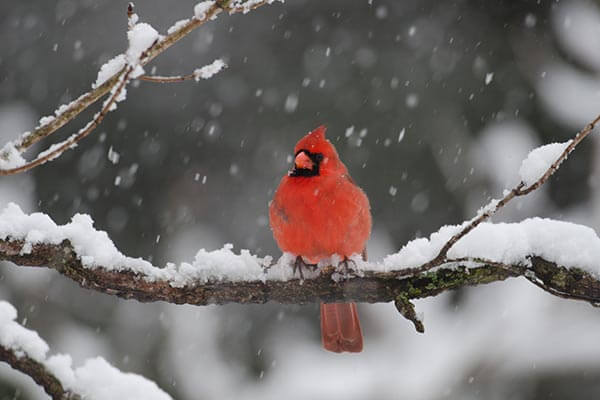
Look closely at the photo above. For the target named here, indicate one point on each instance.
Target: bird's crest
(314, 141)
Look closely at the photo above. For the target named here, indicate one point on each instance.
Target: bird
(316, 212)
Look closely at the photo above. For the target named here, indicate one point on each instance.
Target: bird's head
(314, 155)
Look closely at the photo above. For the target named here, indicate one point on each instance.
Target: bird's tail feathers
(340, 328)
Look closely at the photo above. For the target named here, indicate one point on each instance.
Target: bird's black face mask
(306, 164)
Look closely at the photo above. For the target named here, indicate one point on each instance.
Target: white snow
(201, 8)
(291, 103)
(539, 160)
(209, 70)
(401, 134)
(10, 157)
(140, 37)
(95, 249)
(95, 380)
(564, 243)
(113, 156)
(221, 264)
(247, 6)
(53, 148)
(177, 25)
(98, 380)
(110, 68)
(15, 337)
(133, 19)
(46, 120)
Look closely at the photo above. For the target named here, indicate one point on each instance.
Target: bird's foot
(344, 265)
(299, 264)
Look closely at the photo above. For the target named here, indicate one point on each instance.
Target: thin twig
(71, 111)
(166, 79)
(576, 140)
(78, 136)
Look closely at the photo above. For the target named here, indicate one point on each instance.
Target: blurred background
(432, 105)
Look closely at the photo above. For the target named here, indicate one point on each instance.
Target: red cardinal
(318, 211)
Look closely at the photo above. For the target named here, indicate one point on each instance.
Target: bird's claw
(344, 265)
(299, 264)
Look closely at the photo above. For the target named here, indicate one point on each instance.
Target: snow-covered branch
(145, 44)
(559, 256)
(25, 351)
(218, 277)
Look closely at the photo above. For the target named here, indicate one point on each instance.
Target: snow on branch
(205, 72)
(144, 45)
(222, 276)
(25, 351)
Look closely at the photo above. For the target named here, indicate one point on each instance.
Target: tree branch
(68, 112)
(25, 351)
(57, 149)
(38, 372)
(371, 287)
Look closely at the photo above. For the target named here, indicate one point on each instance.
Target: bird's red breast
(318, 211)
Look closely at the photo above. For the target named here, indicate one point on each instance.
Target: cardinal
(316, 212)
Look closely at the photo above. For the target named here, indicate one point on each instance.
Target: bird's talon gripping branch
(299, 264)
(344, 266)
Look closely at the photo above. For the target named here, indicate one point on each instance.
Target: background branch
(68, 112)
(38, 372)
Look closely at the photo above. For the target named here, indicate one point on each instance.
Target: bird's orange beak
(303, 161)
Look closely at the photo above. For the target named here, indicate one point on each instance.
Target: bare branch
(205, 72)
(166, 79)
(38, 372)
